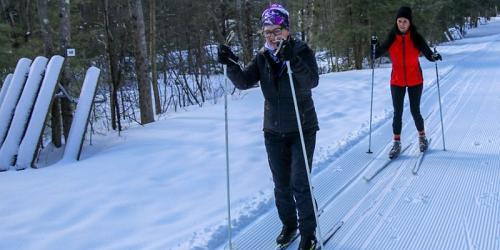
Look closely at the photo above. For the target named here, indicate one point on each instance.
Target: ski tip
(341, 223)
(332, 232)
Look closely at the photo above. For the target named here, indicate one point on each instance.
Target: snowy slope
(162, 186)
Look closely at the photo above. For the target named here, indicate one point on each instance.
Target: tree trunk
(141, 62)
(245, 28)
(358, 52)
(248, 31)
(3, 5)
(48, 52)
(45, 27)
(10, 14)
(309, 21)
(114, 67)
(27, 17)
(65, 33)
(152, 55)
(223, 6)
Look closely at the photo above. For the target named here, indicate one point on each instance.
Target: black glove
(373, 46)
(225, 55)
(436, 56)
(286, 51)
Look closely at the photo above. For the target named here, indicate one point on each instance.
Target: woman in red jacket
(404, 45)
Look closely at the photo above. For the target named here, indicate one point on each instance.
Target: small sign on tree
(70, 52)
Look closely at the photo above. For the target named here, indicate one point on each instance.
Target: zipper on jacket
(404, 60)
(279, 105)
(276, 84)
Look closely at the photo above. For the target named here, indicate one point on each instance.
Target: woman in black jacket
(281, 133)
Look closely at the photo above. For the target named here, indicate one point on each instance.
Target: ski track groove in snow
(450, 242)
(409, 178)
(485, 200)
(429, 194)
(432, 98)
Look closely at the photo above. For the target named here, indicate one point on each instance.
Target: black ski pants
(398, 96)
(291, 185)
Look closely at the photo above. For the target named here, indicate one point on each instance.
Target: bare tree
(48, 48)
(152, 54)
(306, 20)
(245, 28)
(44, 22)
(114, 66)
(65, 43)
(141, 62)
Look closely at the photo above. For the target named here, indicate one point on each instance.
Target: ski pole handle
(229, 37)
(279, 47)
(374, 42)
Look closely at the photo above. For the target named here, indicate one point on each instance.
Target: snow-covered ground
(162, 186)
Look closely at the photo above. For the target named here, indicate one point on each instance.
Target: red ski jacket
(406, 69)
(404, 50)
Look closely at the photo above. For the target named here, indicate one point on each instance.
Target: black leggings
(398, 97)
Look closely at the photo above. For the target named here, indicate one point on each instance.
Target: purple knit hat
(276, 14)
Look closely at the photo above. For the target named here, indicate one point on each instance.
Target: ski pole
(301, 134)
(439, 96)
(228, 183)
(374, 38)
(229, 232)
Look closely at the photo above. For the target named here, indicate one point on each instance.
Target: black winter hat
(404, 12)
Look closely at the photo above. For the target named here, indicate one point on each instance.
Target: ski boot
(423, 143)
(308, 242)
(286, 236)
(395, 150)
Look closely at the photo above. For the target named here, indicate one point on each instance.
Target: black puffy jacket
(279, 111)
